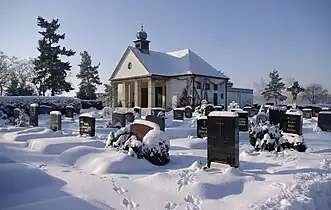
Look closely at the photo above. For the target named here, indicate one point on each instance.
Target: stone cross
(295, 89)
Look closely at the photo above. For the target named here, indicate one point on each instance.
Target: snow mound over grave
(102, 161)
(58, 145)
(34, 133)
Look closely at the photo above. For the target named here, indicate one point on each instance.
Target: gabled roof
(176, 63)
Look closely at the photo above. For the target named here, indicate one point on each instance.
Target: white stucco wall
(137, 68)
(241, 96)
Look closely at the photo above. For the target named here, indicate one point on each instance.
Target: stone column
(124, 100)
(114, 95)
(164, 101)
(136, 93)
(151, 93)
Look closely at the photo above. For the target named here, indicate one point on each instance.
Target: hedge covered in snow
(86, 104)
(9, 103)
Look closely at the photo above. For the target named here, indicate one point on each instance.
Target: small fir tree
(90, 78)
(51, 71)
(274, 88)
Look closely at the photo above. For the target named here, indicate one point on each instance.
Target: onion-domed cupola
(142, 43)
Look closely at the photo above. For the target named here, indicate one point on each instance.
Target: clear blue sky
(245, 39)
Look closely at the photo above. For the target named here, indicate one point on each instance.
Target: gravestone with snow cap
(55, 120)
(137, 112)
(276, 115)
(178, 114)
(209, 108)
(156, 111)
(69, 111)
(324, 120)
(223, 138)
(160, 121)
(307, 113)
(86, 124)
(188, 112)
(118, 119)
(34, 115)
(242, 120)
(129, 116)
(202, 127)
(218, 108)
(292, 122)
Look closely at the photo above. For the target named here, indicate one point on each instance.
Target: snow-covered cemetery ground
(41, 169)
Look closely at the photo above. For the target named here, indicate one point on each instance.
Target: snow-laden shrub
(23, 120)
(86, 104)
(134, 147)
(156, 147)
(263, 136)
(121, 136)
(233, 105)
(294, 141)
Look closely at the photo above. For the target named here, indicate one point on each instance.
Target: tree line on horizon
(48, 73)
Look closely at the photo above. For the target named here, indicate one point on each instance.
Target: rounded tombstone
(87, 124)
(34, 115)
(69, 111)
(188, 111)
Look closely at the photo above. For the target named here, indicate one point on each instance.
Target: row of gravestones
(180, 113)
(243, 123)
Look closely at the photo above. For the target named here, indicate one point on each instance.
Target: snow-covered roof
(176, 63)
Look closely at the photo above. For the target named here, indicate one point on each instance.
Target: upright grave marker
(276, 115)
(209, 108)
(218, 108)
(188, 112)
(86, 125)
(202, 127)
(34, 115)
(129, 116)
(242, 120)
(292, 122)
(223, 138)
(178, 114)
(137, 112)
(156, 111)
(69, 111)
(324, 120)
(307, 113)
(118, 119)
(44, 109)
(160, 121)
(55, 120)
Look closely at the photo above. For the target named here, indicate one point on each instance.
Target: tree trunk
(1, 90)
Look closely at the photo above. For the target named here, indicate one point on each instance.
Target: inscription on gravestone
(87, 126)
(243, 120)
(223, 139)
(292, 124)
(55, 120)
(188, 112)
(178, 114)
(34, 115)
(202, 127)
(118, 119)
(324, 121)
(158, 120)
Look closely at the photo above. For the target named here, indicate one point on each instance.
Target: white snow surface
(75, 173)
(223, 114)
(294, 112)
(148, 123)
(55, 113)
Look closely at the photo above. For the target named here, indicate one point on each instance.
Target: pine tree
(109, 94)
(51, 71)
(90, 78)
(274, 88)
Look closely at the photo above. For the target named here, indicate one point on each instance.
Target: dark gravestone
(202, 127)
(292, 123)
(129, 116)
(160, 121)
(87, 126)
(156, 111)
(218, 108)
(307, 113)
(324, 120)
(178, 114)
(188, 112)
(139, 129)
(43, 109)
(276, 115)
(69, 111)
(137, 111)
(251, 111)
(118, 119)
(243, 120)
(55, 120)
(208, 109)
(223, 139)
(34, 115)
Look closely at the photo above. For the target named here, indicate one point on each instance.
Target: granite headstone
(55, 120)
(178, 114)
(324, 120)
(86, 126)
(158, 120)
(34, 115)
(202, 127)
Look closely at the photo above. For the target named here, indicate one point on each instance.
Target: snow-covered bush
(263, 136)
(294, 141)
(156, 147)
(86, 104)
(233, 105)
(23, 120)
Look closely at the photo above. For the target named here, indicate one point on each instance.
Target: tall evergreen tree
(51, 71)
(109, 94)
(90, 78)
(274, 88)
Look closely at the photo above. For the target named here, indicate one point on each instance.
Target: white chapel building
(148, 79)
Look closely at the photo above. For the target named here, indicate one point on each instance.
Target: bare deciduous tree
(315, 93)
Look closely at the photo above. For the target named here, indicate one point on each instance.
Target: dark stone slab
(276, 116)
(156, 112)
(129, 116)
(118, 118)
(87, 126)
(178, 114)
(69, 111)
(55, 121)
(223, 140)
(202, 127)
(139, 129)
(43, 109)
(324, 121)
(188, 112)
(243, 120)
(307, 113)
(292, 124)
(218, 108)
(252, 111)
(158, 120)
(34, 115)
(137, 111)
(208, 109)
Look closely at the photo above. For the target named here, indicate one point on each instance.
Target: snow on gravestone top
(325, 109)
(307, 109)
(281, 108)
(179, 109)
(87, 114)
(69, 106)
(297, 112)
(158, 108)
(34, 105)
(55, 113)
(324, 112)
(239, 111)
(188, 107)
(223, 114)
(202, 118)
(146, 122)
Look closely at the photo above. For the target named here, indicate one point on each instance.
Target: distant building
(242, 96)
(149, 79)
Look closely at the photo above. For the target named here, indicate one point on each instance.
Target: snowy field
(41, 169)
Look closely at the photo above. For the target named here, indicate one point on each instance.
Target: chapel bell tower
(141, 42)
